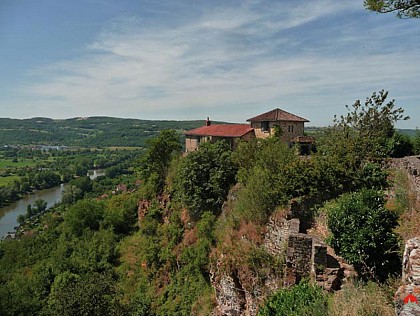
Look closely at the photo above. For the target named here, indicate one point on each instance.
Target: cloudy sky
(189, 59)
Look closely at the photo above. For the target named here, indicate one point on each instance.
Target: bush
(362, 233)
(204, 179)
(302, 299)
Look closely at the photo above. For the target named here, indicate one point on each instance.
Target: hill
(96, 131)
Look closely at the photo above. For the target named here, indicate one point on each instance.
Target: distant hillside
(98, 131)
(314, 130)
(85, 132)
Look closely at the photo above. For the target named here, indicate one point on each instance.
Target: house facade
(231, 133)
(288, 126)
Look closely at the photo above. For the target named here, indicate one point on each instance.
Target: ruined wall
(305, 257)
(278, 232)
(410, 279)
(298, 258)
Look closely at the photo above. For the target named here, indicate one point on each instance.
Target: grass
(368, 299)
(5, 181)
(8, 163)
(404, 202)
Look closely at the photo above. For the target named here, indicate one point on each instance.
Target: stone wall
(298, 259)
(305, 257)
(411, 165)
(410, 279)
(278, 232)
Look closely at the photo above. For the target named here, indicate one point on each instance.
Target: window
(265, 126)
(290, 128)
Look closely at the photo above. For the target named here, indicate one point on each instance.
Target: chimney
(208, 122)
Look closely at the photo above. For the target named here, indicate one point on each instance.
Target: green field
(8, 163)
(5, 181)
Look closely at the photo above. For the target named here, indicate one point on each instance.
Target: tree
(416, 143)
(204, 178)
(41, 205)
(155, 163)
(404, 8)
(90, 294)
(83, 215)
(364, 133)
(362, 233)
(21, 219)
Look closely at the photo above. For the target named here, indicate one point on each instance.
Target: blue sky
(229, 60)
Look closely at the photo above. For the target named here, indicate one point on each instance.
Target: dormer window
(265, 126)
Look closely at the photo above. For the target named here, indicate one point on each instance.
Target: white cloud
(225, 58)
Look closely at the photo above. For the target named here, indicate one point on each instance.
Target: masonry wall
(191, 143)
(290, 130)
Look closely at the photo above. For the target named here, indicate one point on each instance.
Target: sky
(192, 59)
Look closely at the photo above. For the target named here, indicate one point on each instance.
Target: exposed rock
(239, 292)
(411, 280)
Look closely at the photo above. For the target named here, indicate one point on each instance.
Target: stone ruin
(305, 257)
(410, 279)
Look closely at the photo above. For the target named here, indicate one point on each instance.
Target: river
(9, 214)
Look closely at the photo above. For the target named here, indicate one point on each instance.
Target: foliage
(120, 213)
(204, 178)
(401, 145)
(416, 143)
(83, 215)
(362, 233)
(364, 132)
(90, 294)
(155, 163)
(302, 299)
(404, 8)
(362, 299)
(86, 132)
(265, 167)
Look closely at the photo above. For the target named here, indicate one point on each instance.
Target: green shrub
(204, 179)
(302, 299)
(362, 233)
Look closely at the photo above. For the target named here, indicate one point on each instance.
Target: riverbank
(10, 213)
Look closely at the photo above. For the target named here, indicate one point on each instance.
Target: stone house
(231, 133)
(289, 127)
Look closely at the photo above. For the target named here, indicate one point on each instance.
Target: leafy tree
(302, 299)
(265, 172)
(71, 194)
(83, 183)
(401, 145)
(21, 219)
(83, 215)
(204, 178)
(41, 205)
(363, 133)
(404, 8)
(156, 161)
(90, 294)
(416, 143)
(362, 233)
(121, 213)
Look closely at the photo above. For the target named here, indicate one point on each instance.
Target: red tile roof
(221, 130)
(277, 115)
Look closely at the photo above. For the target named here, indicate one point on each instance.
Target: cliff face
(239, 291)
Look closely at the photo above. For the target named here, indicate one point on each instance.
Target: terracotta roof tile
(221, 130)
(277, 115)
